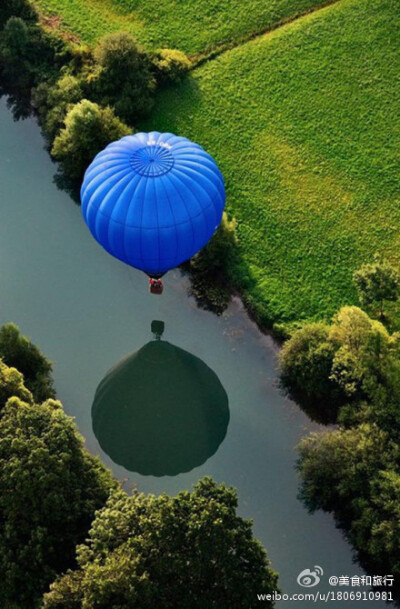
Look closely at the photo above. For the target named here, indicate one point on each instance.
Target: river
(86, 311)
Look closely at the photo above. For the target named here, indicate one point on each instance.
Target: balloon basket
(156, 286)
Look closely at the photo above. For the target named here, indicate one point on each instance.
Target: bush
(216, 256)
(354, 471)
(50, 488)
(124, 78)
(18, 351)
(88, 129)
(181, 552)
(171, 65)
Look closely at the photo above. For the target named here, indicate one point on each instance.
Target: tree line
(348, 373)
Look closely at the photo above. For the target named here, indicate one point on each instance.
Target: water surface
(86, 311)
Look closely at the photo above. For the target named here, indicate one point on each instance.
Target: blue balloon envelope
(153, 200)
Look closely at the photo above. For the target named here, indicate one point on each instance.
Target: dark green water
(86, 311)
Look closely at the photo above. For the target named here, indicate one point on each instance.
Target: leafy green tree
(53, 101)
(362, 352)
(18, 351)
(88, 129)
(15, 51)
(355, 474)
(50, 488)
(181, 552)
(28, 55)
(354, 359)
(17, 8)
(376, 529)
(306, 361)
(124, 78)
(12, 384)
(171, 65)
(377, 283)
(337, 467)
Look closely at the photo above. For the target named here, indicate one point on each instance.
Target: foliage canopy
(50, 488)
(18, 351)
(189, 551)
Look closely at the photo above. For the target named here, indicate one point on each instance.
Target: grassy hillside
(305, 124)
(192, 26)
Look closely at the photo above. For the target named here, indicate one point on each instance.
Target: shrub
(216, 256)
(355, 473)
(28, 55)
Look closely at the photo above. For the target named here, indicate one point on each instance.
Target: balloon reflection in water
(161, 410)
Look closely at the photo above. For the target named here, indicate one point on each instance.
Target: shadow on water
(160, 411)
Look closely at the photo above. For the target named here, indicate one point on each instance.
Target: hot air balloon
(153, 200)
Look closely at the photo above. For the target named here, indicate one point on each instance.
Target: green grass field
(193, 26)
(305, 125)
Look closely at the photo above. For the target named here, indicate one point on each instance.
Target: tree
(50, 488)
(336, 467)
(124, 78)
(362, 353)
(12, 384)
(377, 528)
(28, 54)
(171, 65)
(88, 129)
(354, 473)
(17, 8)
(376, 283)
(306, 361)
(354, 359)
(18, 351)
(15, 51)
(181, 552)
(53, 101)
